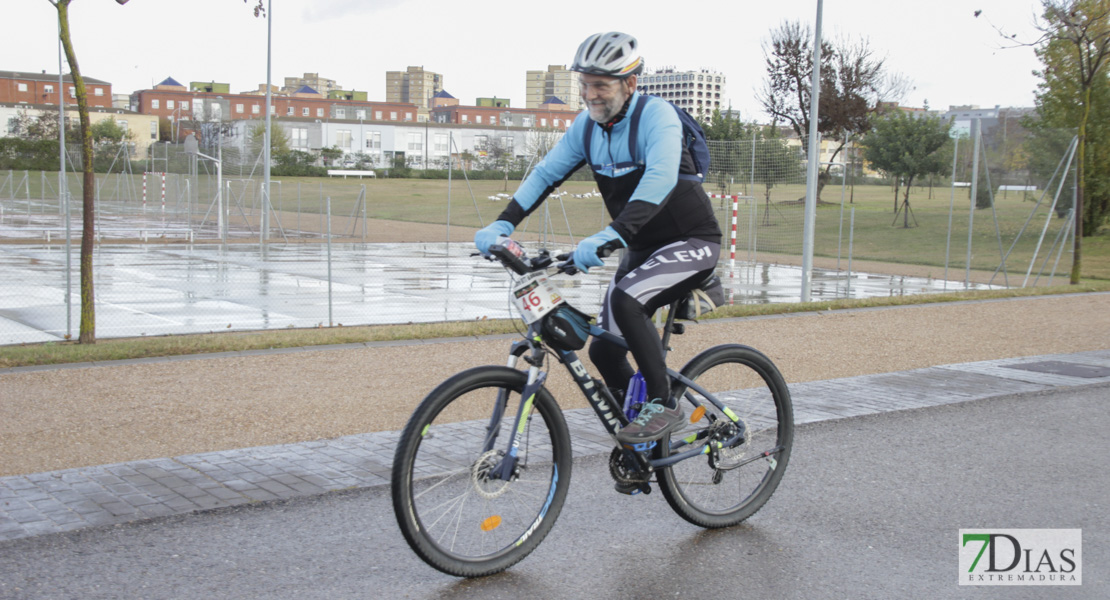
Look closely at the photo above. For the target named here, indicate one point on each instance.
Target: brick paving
(71, 499)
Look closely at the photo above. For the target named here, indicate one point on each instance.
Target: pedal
(631, 488)
(642, 446)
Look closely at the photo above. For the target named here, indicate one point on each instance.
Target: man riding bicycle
(660, 214)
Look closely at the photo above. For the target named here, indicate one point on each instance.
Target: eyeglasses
(598, 86)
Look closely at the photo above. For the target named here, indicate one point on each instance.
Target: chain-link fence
(186, 247)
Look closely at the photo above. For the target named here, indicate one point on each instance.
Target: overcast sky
(484, 48)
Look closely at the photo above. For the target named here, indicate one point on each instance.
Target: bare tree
(87, 332)
(854, 84)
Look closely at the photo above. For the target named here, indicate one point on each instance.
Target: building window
(47, 89)
(304, 111)
(340, 113)
(378, 115)
(360, 114)
(72, 92)
(393, 115)
(480, 143)
(319, 112)
(155, 104)
(169, 104)
(478, 119)
(416, 144)
(528, 120)
(298, 137)
(373, 140)
(23, 87)
(184, 105)
(492, 120)
(256, 109)
(289, 111)
(154, 130)
(343, 138)
(408, 116)
(122, 125)
(441, 143)
(98, 91)
(273, 109)
(239, 108)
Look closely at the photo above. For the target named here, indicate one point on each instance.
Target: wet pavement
(72, 499)
(148, 290)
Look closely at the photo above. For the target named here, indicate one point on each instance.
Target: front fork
(506, 469)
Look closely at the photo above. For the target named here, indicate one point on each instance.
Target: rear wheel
(453, 508)
(730, 482)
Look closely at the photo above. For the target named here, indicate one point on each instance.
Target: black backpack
(693, 140)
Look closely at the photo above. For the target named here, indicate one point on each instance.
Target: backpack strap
(587, 139)
(634, 128)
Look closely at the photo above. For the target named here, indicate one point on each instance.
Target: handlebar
(512, 255)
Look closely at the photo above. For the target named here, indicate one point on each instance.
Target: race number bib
(534, 297)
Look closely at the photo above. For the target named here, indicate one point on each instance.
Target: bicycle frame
(607, 409)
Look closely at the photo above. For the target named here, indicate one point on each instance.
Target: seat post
(672, 310)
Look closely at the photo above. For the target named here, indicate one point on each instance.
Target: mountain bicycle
(477, 486)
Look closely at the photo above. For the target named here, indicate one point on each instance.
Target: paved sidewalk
(71, 499)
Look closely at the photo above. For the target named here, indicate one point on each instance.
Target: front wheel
(731, 481)
(455, 508)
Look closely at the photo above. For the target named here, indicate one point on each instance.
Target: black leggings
(645, 281)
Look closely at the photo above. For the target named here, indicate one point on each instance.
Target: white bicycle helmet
(614, 54)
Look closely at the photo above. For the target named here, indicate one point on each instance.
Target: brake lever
(567, 265)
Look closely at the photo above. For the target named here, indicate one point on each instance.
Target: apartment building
(173, 101)
(557, 81)
(143, 128)
(43, 88)
(553, 115)
(697, 92)
(413, 85)
(422, 145)
(313, 80)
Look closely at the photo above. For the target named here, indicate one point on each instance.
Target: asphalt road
(869, 508)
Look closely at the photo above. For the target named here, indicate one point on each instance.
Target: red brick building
(42, 88)
(173, 101)
(552, 114)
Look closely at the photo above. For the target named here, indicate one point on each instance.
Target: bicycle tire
(452, 515)
(753, 389)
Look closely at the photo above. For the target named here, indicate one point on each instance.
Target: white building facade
(699, 93)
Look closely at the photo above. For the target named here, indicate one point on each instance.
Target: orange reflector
(699, 412)
(491, 523)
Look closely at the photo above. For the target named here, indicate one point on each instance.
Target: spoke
(447, 477)
(458, 522)
(447, 511)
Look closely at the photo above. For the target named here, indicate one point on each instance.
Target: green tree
(907, 147)
(279, 141)
(724, 128)
(1075, 50)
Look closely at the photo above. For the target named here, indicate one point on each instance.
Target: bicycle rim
(455, 514)
(722, 488)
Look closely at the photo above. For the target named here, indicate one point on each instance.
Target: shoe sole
(656, 437)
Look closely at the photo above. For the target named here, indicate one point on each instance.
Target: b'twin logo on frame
(1021, 557)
